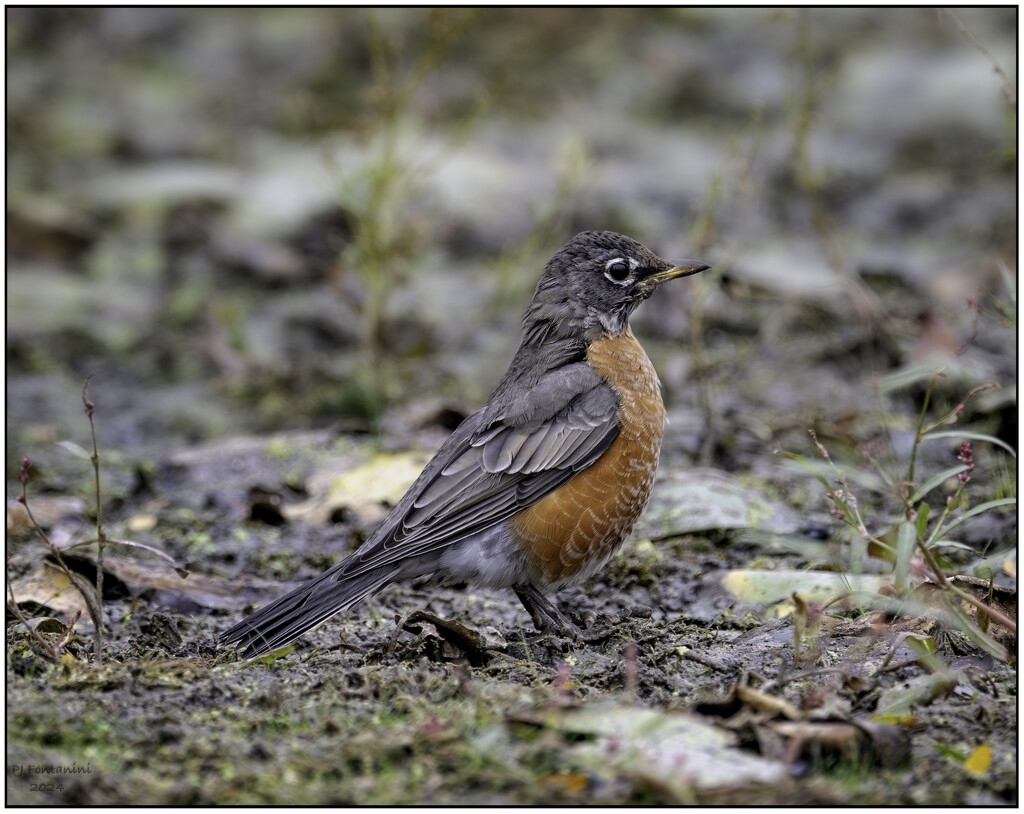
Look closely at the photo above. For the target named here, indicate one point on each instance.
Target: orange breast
(575, 530)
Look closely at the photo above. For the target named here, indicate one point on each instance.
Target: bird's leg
(546, 617)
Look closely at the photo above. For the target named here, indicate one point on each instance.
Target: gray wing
(496, 463)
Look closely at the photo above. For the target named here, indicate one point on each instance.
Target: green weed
(917, 543)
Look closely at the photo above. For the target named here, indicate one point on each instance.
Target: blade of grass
(922, 520)
(937, 480)
(973, 632)
(970, 436)
(992, 504)
(906, 541)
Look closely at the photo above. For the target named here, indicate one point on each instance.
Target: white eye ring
(619, 271)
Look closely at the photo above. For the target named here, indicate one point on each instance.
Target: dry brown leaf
(49, 587)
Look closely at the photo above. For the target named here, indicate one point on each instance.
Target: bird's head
(594, 282)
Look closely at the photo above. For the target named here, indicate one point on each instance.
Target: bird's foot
(545, 616)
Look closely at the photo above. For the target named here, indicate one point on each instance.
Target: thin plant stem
(73, 578)
(101, 534)
(919, 434)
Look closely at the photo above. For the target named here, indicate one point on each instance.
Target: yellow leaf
(980, 759)
(569, 782)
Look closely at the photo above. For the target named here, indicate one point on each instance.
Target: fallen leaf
(679, 754)
(49, 587)
(705, 499)
(46, 624)
(367, 491)
(48, 510)
(567, 782)
(898, 700)
(141, 522)
(770, 587)
(979, 760)
(759, 702)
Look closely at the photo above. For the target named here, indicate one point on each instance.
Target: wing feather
(495, 465)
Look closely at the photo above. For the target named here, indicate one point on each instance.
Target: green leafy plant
(915, 545)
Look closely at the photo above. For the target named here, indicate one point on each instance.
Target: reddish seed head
(966, 457)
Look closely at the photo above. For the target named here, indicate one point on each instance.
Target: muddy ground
(291, 249)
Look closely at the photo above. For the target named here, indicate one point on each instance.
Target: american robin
(540, 486)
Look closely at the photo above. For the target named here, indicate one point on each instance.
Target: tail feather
(285, 619)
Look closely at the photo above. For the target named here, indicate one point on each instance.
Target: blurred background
(240, 221)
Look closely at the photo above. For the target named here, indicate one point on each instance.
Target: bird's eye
(617, 271)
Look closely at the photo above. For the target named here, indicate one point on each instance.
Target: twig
(101, 534)
(1008, 93)
(73, 578)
